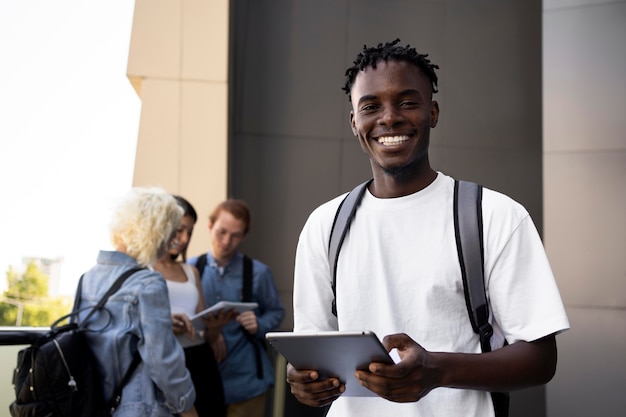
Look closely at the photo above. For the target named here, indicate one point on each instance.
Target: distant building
(50, 267)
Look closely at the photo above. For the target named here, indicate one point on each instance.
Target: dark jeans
(207, 380)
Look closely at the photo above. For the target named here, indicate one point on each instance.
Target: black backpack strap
(117, 393)
(340, 227)
(246, 291)
(201, 264)
(114, 288)
(468, 228)
(78, 297)
(246, 296)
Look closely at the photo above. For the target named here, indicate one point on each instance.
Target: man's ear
(434, 113)
(352, 124)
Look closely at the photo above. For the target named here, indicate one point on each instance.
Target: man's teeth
(392, 140)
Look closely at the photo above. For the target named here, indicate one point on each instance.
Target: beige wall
(178, 64)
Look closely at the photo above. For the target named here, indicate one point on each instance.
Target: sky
(69, 120)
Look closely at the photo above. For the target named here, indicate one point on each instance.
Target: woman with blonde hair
(137, 317)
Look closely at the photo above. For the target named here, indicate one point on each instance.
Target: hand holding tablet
(215, 309)
(333, 354)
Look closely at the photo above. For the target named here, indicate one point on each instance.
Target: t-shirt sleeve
(524, 297)
(312, 295)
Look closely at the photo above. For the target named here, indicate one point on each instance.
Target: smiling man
(399, 275)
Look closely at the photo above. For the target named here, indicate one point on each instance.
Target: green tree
(26, 301)
(31, 285)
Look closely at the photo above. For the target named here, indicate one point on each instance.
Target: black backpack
(468, 229)
(57, 375)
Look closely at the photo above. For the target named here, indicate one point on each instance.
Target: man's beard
(407, 171)
(401, 173)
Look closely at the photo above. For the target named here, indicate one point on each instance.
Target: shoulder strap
(246, 296)
(468, 230)
(246, 292)
(468, 233)
(117, 392)
(201, 264)
(340, 227)
(112, 290)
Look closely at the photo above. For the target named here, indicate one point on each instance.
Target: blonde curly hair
(143, 222)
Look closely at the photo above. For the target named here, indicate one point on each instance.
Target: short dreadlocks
(390, 52)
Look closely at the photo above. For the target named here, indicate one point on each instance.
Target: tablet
(332, 354)
(238, 307)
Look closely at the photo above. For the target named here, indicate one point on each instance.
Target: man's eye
(369, 108)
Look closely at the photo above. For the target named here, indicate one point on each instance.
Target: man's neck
(222, 262)
(386, 186)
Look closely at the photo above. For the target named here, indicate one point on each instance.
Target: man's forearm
(516, 366)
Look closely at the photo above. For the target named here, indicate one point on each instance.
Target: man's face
(226, 233)
(392, 114)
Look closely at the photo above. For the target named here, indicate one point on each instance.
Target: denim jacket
(138, 318)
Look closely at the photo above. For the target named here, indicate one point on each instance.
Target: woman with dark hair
(185, 295)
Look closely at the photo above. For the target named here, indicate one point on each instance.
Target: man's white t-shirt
(398, 272)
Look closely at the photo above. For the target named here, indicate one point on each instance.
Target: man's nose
(389, 116)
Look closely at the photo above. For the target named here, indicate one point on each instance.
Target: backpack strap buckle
(485, 332)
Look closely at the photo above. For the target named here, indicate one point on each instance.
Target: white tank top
(184, 295)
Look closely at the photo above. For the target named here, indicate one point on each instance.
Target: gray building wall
(291, 147)
(585, 199)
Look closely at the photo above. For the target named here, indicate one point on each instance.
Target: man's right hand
(306, 387)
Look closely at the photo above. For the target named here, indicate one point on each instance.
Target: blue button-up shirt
(138, 318)
(239, 370)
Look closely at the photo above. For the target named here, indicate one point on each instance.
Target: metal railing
(13, 339)
(10, 335)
